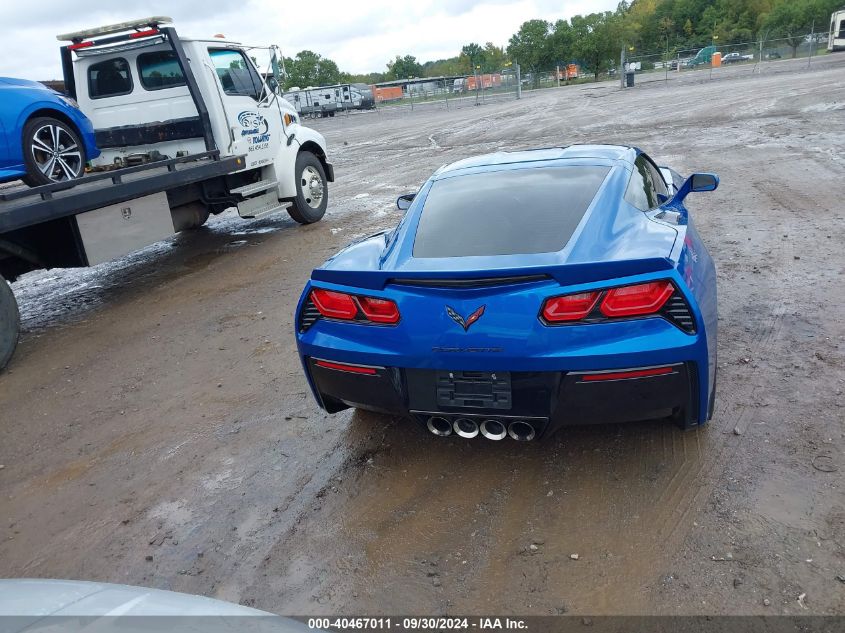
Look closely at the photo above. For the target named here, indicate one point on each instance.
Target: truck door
(256, 126)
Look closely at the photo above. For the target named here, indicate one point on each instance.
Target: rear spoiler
(564, 274)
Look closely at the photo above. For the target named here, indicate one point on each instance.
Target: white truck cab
(151, 94)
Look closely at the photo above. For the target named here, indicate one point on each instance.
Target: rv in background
(326, 101)
(836, 42)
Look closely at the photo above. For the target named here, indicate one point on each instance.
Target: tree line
(594, 41)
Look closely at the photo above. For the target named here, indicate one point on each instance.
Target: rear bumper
(547, 400)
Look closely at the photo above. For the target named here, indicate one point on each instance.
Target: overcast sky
(361, 36)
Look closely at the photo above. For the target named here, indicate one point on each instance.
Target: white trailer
(187, 128)
(326, 101)
(836, 39)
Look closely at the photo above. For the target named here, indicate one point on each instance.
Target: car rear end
(470, 338)
(540, 353)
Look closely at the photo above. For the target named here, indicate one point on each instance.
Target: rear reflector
(334, 305)
(570, 307)
(74, 47)
(636, 300)
(623, 375)
(354, 369)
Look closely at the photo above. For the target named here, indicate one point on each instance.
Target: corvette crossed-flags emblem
(465, 323)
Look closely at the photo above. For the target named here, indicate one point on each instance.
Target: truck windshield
(506, 212)
(237, 76)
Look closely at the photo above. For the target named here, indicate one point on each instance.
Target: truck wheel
(10, 323)
(52, 152)
(312, 195)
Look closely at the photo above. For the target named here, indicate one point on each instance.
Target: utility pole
(713, 44)
(478, 91)
(812, 43)
(557, 74)
(666, 61)
(622, 68)
(518, 82)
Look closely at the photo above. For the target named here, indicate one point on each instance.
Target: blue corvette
(523, 291)
(44, 137)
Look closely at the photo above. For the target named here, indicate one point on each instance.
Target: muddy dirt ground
(156, 429)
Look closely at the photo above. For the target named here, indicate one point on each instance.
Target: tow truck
(187, 128)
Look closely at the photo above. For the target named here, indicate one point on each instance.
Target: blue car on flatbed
(44, 137)
(523, 291)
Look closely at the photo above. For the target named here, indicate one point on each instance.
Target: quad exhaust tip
(464, 427)
(439, 426)
(521, 431)
(493, 430)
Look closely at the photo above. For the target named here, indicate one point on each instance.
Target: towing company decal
(256, 130)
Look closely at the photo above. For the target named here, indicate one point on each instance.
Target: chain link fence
(447, 92)
(714, 59)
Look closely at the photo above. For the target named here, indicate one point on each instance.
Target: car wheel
(52, 152)
(312, 195)
(10, 323)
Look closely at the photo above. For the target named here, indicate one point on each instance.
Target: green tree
(598, 38)
(473, 55)
(308, 68)
(529, 46)
(562, 43)
(404, 67)
(494, 58)
(791, 20)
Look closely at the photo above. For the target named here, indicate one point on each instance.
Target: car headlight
(69, 101)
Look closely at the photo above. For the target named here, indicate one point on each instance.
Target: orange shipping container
(387, 93)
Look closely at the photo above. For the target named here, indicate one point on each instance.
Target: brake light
(79, 45)
(570, 307)
(636, 300)
(140, 34)
(334, 305)
(379, 310)
(347, 307)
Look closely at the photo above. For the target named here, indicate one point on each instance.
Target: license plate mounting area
(474, 389)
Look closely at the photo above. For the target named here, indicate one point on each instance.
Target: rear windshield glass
(506, 212)
(109, 78)
(160, 70)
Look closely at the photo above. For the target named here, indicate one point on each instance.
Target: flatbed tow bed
(22, 207)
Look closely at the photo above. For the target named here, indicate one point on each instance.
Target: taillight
(620, 302)
(346, 307)
(570, 307)
(379, 310)
(636, 300)
(334, 305)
